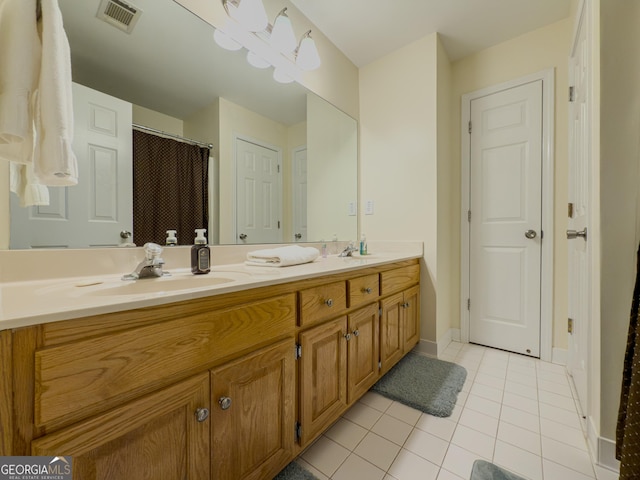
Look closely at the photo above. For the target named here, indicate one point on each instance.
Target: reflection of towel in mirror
(282, 256)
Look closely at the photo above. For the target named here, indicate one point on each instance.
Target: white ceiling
(365, 30)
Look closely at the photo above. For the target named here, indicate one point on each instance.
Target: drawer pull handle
(329, 303)
(225, 403)
(367, 290)
(202, 414)
(348, 336)
(356, 333)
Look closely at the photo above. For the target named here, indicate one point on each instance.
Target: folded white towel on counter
(282, 256)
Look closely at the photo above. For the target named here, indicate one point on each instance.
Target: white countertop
(31, 302)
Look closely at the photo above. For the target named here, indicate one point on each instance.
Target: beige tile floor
(515, 411)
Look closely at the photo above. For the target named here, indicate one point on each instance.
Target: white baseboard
(427, 347)
(559, 356)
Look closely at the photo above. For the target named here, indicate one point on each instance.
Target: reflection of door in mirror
(299, 187)
(258, 193)
(98, 209)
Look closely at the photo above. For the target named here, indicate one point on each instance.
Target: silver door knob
(571, 234)
(125, 234)
(202, 414)
(243, 236)
(225, 402)
(530, 234)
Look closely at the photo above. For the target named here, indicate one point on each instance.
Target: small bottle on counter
(363, 245)
(200, 254)
(171, 241)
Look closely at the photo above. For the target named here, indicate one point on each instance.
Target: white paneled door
(94, 212)
(258, 193)
(299, 179)
(506, 219)
(579, 192)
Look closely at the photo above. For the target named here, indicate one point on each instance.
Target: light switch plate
(353, 209)
(368, 207)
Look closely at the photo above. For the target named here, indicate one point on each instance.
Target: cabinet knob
(225, 402)
(367, 290)
(329, 302)
(356, 333)
(348, 336)
(405, 305)
(202, 414)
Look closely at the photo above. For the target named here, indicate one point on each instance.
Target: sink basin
(165, 284)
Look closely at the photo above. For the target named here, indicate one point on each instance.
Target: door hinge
(278, 224)
(469, 216)
(570, 210)
(278, 168)
(379, 365)
(572, 94)
(468, 304)
(469, 126)
(298, 431)
(380, 312)
(298, 351)
(570, 325)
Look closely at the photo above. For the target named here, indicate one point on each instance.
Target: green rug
(424, 383)
(483, 470)
(293, 471)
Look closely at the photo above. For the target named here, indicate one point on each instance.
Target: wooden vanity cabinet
(253, 414)
(209, 388)
(161, 435)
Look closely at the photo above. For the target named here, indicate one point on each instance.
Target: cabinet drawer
(320, 303)
(363, 289)
(399, 279)
(79, 379)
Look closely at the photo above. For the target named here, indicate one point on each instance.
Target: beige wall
(159, 121)
(332, 141)
(398, 159)
(547, 47)
(619, 191)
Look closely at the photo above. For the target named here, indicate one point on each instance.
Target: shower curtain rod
(172, 135)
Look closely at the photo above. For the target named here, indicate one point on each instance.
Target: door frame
(294, 151)
(234, 184)
(548, 160)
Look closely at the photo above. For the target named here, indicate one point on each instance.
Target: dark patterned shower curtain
(628, 427)
(170, 189)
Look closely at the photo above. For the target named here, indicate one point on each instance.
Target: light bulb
(280, 76)
(308, 57)
(257, 61)
(225, 41)
(282, 36)
(251, 15)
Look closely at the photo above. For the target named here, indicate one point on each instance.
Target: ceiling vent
(119, 14)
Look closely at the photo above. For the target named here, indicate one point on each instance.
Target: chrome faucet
(151, 266)
(348, 251)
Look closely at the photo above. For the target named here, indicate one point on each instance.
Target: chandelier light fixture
(267, 44)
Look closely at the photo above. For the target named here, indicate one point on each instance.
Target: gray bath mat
(293, 471)
(483, 470)
(424, 383)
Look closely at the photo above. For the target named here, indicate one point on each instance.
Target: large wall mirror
(283, 162)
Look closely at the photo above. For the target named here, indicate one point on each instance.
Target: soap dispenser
(363, 244)
(171, 241)
(200, 255)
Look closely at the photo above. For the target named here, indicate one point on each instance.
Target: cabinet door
(156, 436)
(391, 331)
(253, 417)
(411, 318)
(323, 376)
(363, 350)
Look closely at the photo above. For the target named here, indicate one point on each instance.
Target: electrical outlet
(368, 207)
